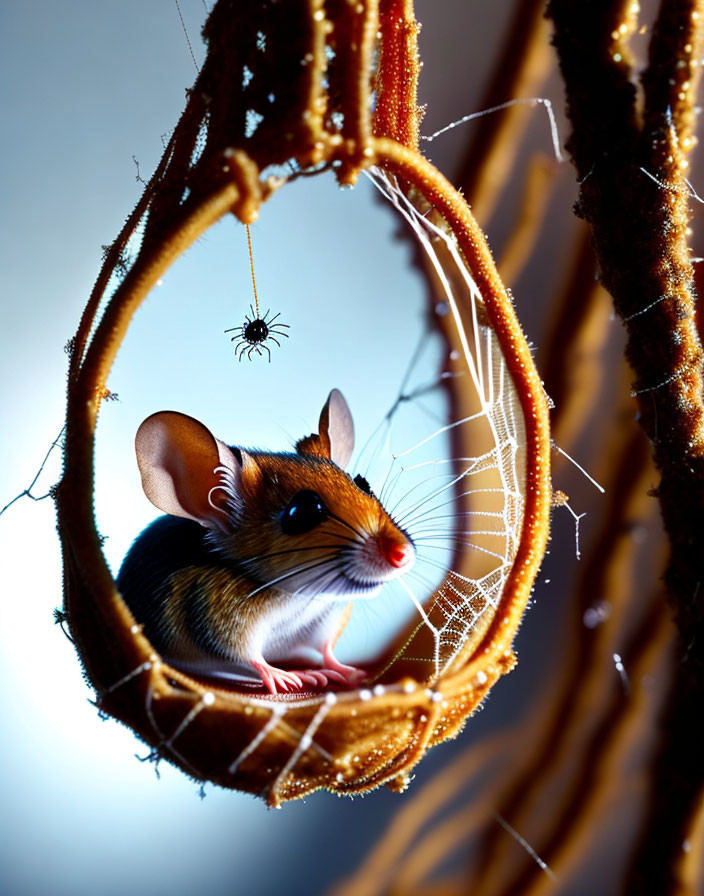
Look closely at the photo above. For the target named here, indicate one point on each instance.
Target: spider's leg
(266, 348)
(277, 331)
(273, 339)
(278, 314)
(242, 350)
(240, 335)
(254, 316)
(232, 329)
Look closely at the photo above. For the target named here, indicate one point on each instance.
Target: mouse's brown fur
(248, 588)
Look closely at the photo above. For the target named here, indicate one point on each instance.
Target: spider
(255, 332)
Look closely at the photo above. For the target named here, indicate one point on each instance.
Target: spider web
(463, 507)
(474, 506)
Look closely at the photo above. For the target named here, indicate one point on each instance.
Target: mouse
(252, 573)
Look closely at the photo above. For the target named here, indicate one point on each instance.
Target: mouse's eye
(362, 484)
(303, 512)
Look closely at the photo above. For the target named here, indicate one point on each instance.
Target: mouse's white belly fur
(291, 626)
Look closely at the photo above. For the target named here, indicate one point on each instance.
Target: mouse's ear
(178, 458)
(337, 425)
(335, 438)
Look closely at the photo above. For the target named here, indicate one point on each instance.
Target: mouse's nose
(397, 555)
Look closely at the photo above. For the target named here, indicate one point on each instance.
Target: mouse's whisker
(298, 550)
(470, 466)
(425, 518)
(469, 471)
(405, 395)
(467, 544)
(450, 475)
(421, 557)
(411, 517)
(356, 538)
(385, 494)
(328, 581)
(436, 534)
(390, 482)
(359, 535)
(419, 577)
(388, 485)
(303, 567)
(378, 441)
(417, 604)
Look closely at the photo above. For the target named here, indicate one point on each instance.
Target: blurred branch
(537, 191)
(582, 684)
(639, 230)
(578, 819)
(689, 868)
(521, 67)
(573, 364)
(373, 876)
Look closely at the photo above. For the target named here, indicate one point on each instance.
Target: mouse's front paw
(320, 678)
(278, 680)
(343, 673)
(340, 675)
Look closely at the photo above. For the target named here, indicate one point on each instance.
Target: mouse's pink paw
(321, 678)
(278, 680)
(343, 673)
